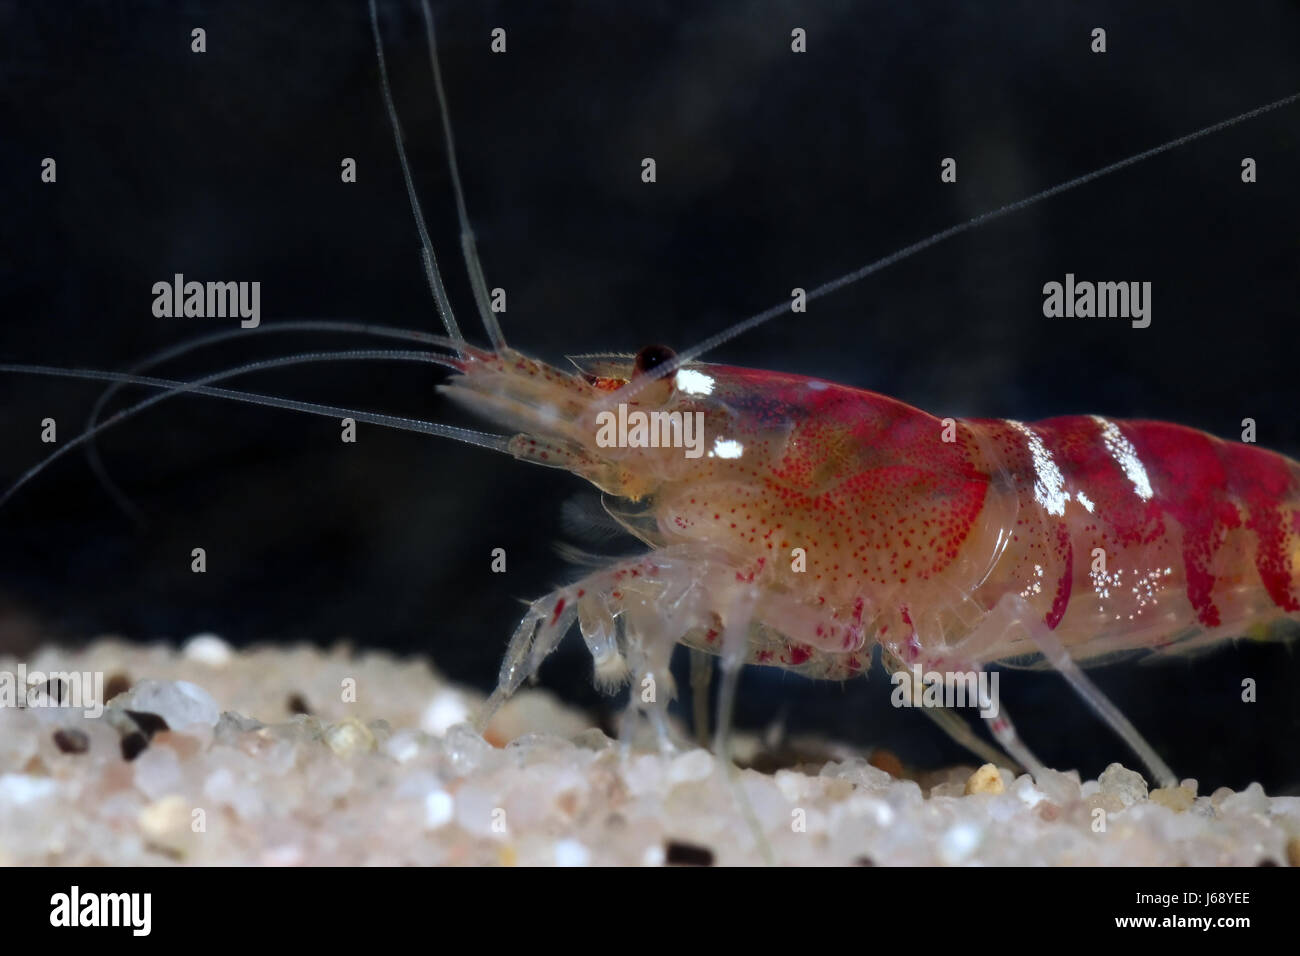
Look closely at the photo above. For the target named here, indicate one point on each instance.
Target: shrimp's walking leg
(1059, 658)
(1004, 732)
(735, 641)
(737, 618)
(657, 715)
(649, 652)
(701, 679)
(631, 616)
(953, 725)
(546, 622)
(960, 731)
(1012, 611)
(536, 636)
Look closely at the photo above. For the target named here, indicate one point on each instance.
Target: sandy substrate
(378, 767)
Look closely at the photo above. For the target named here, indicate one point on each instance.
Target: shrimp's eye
(651, 357)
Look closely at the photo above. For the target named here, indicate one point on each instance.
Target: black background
(774, 170)
(180, 898)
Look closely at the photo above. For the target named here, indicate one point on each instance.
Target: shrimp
(826, 519)
(820, 523)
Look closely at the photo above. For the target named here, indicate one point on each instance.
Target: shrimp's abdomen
(1139, 533)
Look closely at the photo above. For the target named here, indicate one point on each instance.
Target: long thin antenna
(426, 246)
(120, 498)
(203, 386)
(754, 321)
(467, 242)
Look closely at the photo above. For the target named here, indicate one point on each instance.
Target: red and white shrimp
(818, 521)
(825, 519)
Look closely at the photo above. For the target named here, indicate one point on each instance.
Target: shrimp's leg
(1101, 705)
(701, 679)
(657, 715)
(1013, 611)
(614, 657)
(951, 724)
(649, 652)
(735, 645)
(631, 615)
(546, 621)
(960, 731)
(963, 658)
(1004, 732)
(737, 619)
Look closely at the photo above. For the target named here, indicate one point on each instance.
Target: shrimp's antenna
(467, 242)
(426, 248)
(120, 498)
(203, 386)
(726, 335)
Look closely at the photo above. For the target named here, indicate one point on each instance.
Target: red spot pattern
(862, 483)
(798, 655)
